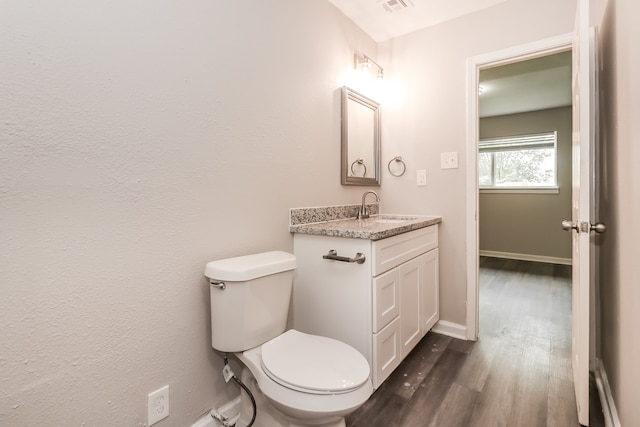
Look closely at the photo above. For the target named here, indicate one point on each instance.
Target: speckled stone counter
(339, 221)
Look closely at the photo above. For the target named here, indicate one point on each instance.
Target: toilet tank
(252, 306)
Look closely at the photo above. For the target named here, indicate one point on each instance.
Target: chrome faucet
(363, 213)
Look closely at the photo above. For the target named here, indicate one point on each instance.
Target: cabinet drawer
(386, 299)
(391, 252)
(386, 352)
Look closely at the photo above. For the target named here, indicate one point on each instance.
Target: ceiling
(534, 84)
(385, 19)
(530, 85)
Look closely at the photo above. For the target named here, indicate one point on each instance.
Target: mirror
(360, 139)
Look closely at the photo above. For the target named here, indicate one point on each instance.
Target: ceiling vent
(392, 6)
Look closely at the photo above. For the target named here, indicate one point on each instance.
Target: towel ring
(360, 162)
(397, 159)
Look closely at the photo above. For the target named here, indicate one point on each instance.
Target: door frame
(510, 55)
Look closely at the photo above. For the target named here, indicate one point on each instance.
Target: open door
(583, 203)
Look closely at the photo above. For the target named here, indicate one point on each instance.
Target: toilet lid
(314, 364)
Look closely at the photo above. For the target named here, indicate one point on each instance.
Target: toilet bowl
(296, 379)
(311, 380)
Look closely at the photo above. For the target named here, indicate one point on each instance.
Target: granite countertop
(376, 227)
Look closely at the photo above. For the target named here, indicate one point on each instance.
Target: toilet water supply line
(228, 374)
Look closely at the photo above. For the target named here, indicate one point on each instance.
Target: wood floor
(518, 373)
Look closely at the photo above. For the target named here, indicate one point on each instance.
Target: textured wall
(529, 223)
(139, 140)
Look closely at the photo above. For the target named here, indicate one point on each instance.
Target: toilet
(296, 379)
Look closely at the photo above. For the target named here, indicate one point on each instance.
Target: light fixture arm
(360, 59)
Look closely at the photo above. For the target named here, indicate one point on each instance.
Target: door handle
(584, 227)
(598, 228)
(568, 225)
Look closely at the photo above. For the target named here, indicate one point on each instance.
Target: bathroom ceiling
(386, 19)
(531, 85)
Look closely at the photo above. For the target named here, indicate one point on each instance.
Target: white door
(583, 203)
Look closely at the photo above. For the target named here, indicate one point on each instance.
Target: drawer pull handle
(333, 254)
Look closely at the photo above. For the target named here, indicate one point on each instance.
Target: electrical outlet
(449, 160)
(421, 177)
(158, 405)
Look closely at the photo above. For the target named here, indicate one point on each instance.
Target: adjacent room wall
(523, 224)
(619, 335)
(138, 141)
(428, 116)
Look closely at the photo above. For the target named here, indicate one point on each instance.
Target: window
(518, 162)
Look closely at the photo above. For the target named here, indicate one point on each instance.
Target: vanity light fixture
(361, 60)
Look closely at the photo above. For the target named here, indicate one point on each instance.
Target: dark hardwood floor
(518, 373)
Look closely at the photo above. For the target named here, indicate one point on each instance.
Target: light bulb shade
(364, 62)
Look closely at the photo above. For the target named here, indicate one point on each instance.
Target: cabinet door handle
(333, 254)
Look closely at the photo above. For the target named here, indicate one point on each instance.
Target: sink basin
(388, 221)
(391, 219)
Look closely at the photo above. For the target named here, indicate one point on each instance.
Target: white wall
(139, 140)
(431, 66)
(619, 340)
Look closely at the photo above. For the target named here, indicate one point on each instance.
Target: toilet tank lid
(250, 267)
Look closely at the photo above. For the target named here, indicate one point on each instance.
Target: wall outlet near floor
(158, 405)
(449, 160)
(421, 177)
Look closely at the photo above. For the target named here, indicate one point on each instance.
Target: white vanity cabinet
(382, 307)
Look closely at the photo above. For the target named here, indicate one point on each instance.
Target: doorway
(585, 126)
(524, 156)
(475, 65)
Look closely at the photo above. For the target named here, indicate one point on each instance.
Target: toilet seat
(314, 364)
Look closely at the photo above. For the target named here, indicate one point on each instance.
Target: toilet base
(267, 414)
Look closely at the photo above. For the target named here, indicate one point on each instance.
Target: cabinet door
(430, 290)
(387, 354)
(386, 299)
(410, 322)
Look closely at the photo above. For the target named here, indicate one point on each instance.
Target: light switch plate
(421, 177)
(449, 160)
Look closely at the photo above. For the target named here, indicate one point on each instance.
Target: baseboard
(606, 398)
(206, 421)
(526, 257)
(231, 410)
(450, 329)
